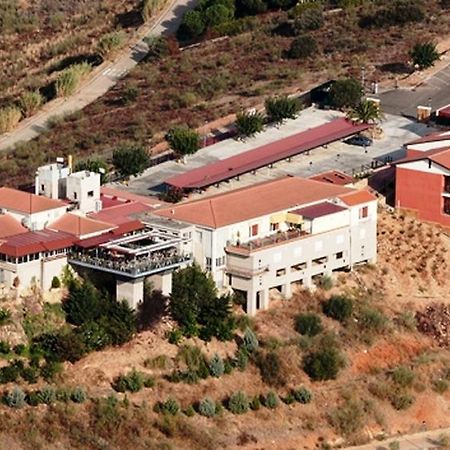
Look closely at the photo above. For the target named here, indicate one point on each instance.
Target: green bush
(170, 407)
(132, 382)
(149, 382)
(30, 102)
(440, 386)
(308, 324)
(271, 400)
(346, 93)
(424, 55)
(248, 124)
(397, 12)
(216, 366)
(402, 400)
(338, 307)
(62, 395)
(183, 140)
(32, 398)
(269, 365)
(5, 316)
(192, 26)
(69, 79)
(175, 336)
(78, 395)
(371, 320)
(403, 377)
(9, 374)
(30, 374)
(303, 395)
(47, 395)
(288, 399)
(110, 43)
(130, 160)
(326, 282)
(189, 411)
(50, 370)
(309, 20)
(347, 419)
(302, 47)
(5, 348)
(15, 398)
(20, 349)
(56, 284)
(255, 403)
(9, 117)
(238, 403)
(207, 407)
(323, 364)
(280, 108)
(250, 341)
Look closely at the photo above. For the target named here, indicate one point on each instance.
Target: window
(363, 212)
(447, 184)
(339, 255)
(42, 187)
(208, 263)
(75, 195)
(254, 230)
(298, 267)
(90, 193)
(220, 261)
(199, 236)
(281, 272)
(274, 226)
(446, 205)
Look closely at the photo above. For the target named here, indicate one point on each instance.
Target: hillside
(395, 378)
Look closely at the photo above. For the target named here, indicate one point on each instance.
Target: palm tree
(365, 112)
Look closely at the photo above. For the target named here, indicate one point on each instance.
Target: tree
(346, 93)
(338, 307)
(96, 165)
(217, 14)
(424, 55)
(302, 46)
(280, 108)
(194, 304)
(192, 26)
(183, 140)
(130, 160)
(323, 364)
(249, 123)
(310, 19)
(250, 7)
(365, 112)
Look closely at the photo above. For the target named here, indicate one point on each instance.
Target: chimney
(70, 163)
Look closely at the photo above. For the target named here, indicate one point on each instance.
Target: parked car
(359, 140)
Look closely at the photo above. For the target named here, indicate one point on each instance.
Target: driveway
(434, 92)
(347, 158)
(106, 76)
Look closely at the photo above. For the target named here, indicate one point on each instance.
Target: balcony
(244, 272)
(132, 268)
(269, 241)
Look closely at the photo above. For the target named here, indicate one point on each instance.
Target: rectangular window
(363, 212)
(339, 255)
(281, 272)
(90, 193)
(446, 205)
(298, 267)
(274, 226)
(254, 230)
(42, 187)
(208, 263)
(75, 195)
(220, 261)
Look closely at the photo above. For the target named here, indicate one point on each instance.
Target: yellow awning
(294, 218)
(277, 218)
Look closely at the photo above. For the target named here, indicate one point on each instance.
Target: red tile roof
(122, 213)
(112, 196)
(357, 198)
(334, 177)
(24, 202)
(432, 137)
(319, 210)
(440, 156)
(10, 226)
(251, 202)
(80, 226)
(35, 242)
(267, 154)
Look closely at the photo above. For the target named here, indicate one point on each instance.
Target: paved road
(397, 131)
(417, 441)
(105, 77)
(434, 92)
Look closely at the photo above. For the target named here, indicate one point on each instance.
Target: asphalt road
(434, 92)
(106, 76)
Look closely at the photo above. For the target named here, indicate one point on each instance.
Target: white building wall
(39, 220)
(84, 189)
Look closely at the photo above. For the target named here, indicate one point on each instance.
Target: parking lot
(341, 156)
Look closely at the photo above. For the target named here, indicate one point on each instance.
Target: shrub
(9, 117)
(130, 95)
(338, 307)
(280, 108)
(397, 12)
(183, 140)
(216, 366)
(346, 93)
(401, 400)
(110, 43)
(424, 54)
(32, 398)
(50, 370)
(207, 407)
(30, 374)
(69, 79)
(30, 102)
(372, 320)
(62, 395)
(5, 348)
(303, 395)
(171, 407)
(132, 382)
(15, 398)
(250, 341)
(191, 27)
(288, 399)
(302, 47)
(348, 418)
(78, 395)
(5, 315)
(323, 364)
(56, 284)
(20, 349)
(271, 400)
(149, 8)
(403, 377)
(217, 14)
(308, 324)
(309, 20)
(269, 365)
(238, 403)
(9, 374)
(228, 366)
(440, 386)
(326, 282)
(130, 160)
(395, 445)
(149, 382)
(189, 411)
(255, 403)
(248, 124)
(175, 336)
(47, 395)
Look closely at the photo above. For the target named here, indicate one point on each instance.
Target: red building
(422, 179)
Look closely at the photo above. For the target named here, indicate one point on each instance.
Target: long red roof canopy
(267, 154)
